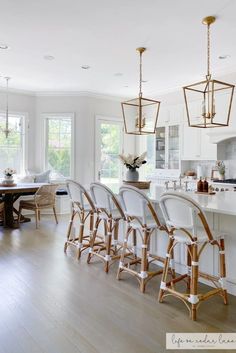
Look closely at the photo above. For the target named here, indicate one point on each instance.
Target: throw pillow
(42, 177)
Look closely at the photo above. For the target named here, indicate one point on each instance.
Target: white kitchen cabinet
(195, 141)
(196, 144)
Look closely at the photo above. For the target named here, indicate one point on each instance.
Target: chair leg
(36, 218)
(194, 283)
(223, 270)
(81, 235)
(108, 246)
(55, 215)
(135, 244)
(116, 233)
(165, 270)
(91, 224)
(189, 266)
(144, 262)
(124, 248)
(69, 230)
(93, 239)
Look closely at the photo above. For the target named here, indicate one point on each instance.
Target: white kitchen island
(220, 210)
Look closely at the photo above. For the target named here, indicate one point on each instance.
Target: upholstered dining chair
(142, 219)
(108, 212)
(83, 207)
(44, 198)
(188, 225)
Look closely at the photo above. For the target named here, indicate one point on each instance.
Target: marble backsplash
(208, 165)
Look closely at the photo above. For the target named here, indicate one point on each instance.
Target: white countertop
(222, 202)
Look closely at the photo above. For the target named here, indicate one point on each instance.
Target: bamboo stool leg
(108, 246)
(135, 244)
(122, 257)
(69, 230)
(189, 266)
(172, 263)
(93, 239)
(81, 234)
(91, 224)
(194, 283)
(165, 270)
(144, 262)
(116, 232)
(223, 270)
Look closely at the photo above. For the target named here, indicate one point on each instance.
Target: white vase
(8, 179)
(132, 175)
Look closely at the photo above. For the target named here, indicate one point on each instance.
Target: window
(12, 149)
(59, 145)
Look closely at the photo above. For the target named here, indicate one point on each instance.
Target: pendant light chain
(7, 79)
(140, 74)
(208, 51)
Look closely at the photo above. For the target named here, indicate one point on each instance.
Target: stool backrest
(45, 196)
(104, 199)
(137, 205)
(79, 195)
(182, 212)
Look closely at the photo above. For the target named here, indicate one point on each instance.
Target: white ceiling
(104, 35)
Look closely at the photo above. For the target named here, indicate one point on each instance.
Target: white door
(109, 144)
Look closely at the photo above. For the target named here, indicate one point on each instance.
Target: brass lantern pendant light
(140, 114)
(208, 103)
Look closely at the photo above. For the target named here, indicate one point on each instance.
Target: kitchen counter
(220, 210)
(222, 202)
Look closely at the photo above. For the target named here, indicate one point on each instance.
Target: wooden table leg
(8, 206)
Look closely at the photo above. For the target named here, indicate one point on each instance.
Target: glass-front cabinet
(168, 147)
(161, 148)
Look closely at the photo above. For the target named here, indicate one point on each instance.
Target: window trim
(25, 136)
(46, 116)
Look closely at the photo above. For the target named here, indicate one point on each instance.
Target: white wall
(22, 103)
(85, 109)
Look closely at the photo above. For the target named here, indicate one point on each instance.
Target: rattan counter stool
(188, 225)
(83, 207)
(108, 212)
(142, 219)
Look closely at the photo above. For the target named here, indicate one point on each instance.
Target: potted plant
(132, 163)
(220, 166)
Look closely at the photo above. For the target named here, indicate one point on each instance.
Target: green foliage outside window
(110, 149)
(59, 146)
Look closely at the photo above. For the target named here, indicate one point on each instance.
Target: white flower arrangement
(8, 172)
(132, 161)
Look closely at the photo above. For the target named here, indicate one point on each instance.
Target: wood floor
(52, 303)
